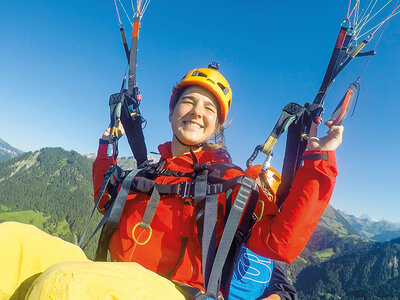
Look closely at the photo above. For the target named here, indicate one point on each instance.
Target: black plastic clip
(186, 189)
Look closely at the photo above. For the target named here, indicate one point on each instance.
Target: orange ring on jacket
(134, 238)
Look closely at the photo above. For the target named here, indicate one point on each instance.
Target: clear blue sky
(60, 61)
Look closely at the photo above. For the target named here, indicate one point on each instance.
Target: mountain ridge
(7, 151)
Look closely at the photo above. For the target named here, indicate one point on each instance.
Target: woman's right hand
(120, 131)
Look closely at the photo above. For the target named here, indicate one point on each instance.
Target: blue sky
(60, 61)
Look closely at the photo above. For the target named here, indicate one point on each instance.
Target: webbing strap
(184, 189)
(209, 235)
(295, 147)
(189, 291)
(247, 186)
(134, 131)
(150, 209)
(113, 216)
(107, 176)
(184, 242)
(206, 218)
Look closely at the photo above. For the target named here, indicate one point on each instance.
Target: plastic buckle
(186, 189)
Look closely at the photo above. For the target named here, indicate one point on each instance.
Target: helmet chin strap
(182, 143)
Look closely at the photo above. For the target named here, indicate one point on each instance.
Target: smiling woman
(198, 226)
(187, 234)
(194, 118)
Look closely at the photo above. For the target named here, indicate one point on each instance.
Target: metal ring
(134, 238)
(262, 210)
(102, 209)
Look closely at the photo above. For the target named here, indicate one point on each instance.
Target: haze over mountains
(7, 151)
(52, 189)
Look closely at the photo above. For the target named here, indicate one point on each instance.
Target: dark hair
(217, 140)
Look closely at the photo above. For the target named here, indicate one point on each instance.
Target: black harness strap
(206, 187)
(150, 209)
(295, 146)
(107, 176)
(206, 218)
(189, 291)
(112, 217)
(184, 242)
(247, 185)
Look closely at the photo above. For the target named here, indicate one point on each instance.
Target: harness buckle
(186, 189)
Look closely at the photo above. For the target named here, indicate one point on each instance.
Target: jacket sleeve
(282, 236)
(279, 284)
(100, 166)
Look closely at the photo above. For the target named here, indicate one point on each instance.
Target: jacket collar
(184, 162)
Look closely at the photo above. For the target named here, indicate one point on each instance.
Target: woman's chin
(191, 141)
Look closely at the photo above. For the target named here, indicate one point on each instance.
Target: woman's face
(195, 116)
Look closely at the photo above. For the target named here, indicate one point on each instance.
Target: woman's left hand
(327, 143)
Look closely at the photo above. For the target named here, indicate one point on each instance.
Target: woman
(198, 108)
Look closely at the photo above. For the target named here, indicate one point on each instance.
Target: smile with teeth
(191, 124)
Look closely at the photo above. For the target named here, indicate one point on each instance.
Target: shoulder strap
(247, 186)
(295, 147)
(113, 169)
(112, 217)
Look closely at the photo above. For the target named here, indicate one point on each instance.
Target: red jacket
(279, 235)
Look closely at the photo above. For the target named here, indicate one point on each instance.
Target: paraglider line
(127, 16)
(116, 8)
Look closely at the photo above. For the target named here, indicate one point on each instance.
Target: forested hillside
(371, 272)
(50, 188)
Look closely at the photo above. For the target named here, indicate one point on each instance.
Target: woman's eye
(210, 108)
(186, 101)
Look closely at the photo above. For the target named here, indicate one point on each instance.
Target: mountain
(386, 236)
(126, 163)
(367, 227)
(7, 151)
(368, 273)
(333, 236)
(338, 233)
(50, 188)
(342, 261)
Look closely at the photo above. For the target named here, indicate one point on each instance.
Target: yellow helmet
(211, 79)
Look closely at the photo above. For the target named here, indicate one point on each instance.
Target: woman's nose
(197, 109)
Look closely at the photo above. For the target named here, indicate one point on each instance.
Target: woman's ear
(170, 115)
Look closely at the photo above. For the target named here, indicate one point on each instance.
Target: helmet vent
(197, 73)
(224, 89)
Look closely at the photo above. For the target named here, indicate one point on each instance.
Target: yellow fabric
(101, 280)
(25, 252)
(35, 265)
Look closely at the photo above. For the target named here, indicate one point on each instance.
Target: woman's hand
(327, 143)
(120, 131)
